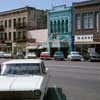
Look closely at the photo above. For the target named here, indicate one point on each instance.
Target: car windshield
(59, 53)
(22, 69)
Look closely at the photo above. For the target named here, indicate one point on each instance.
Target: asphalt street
(73, 80)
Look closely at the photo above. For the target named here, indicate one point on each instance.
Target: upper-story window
(19, 20)
(58, 25)
(5, 23)
(9, 35)
(78, 21)
(62, 26)
(66, 25)
(14, 22)
(51, 27)
(1, 22)
(9, 22)
(88, 21)
(24, 19)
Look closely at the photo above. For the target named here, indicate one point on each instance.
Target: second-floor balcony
(22, 25)
(1, 28)
(20, 40)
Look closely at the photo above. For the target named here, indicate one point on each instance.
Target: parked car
(31, 55)
(58, 55)
(2, 54)
(74, 55)
(19, 55)
(94, 56)
(8, 55)
(45, 55)
(26, 79)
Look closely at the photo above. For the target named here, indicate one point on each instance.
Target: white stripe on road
(57, 93)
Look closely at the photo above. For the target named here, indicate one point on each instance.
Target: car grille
(76, 57)
(17, 95)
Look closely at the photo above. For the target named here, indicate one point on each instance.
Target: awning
(87, 43)
(32, 47)
(40, 47)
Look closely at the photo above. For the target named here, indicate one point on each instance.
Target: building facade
(86, 26)
(38, 40)
(14, 25)
(59, 29)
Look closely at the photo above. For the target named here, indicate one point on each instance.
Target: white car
(25, 79)
(2, 54)
(30, 55)
(74, 55)
(7, 55)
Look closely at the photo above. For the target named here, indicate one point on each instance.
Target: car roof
(23, 61)
(74, 52)
(58, 52)
(44, 52)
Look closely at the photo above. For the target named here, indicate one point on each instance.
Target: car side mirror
(46, 69)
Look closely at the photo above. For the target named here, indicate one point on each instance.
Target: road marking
(57, 93)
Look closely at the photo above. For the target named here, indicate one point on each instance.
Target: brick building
(14, 25)
(86, 25)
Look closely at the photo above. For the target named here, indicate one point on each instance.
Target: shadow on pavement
(55, 94)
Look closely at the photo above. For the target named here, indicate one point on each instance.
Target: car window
(22, 69)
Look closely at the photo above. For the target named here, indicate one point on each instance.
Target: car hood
(19, 83)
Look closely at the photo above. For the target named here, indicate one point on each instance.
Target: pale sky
(39, 4)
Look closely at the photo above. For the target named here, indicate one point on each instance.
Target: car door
(46, 77)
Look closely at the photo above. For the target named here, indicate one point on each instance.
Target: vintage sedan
(58, 55)
(45, 55)
(25, 79)
(74, 55)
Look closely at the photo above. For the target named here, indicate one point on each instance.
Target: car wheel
(89, 60)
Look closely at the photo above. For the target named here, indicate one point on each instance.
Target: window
(24, 19)
(54, 26)
(5, 23)
(62, 26)
(9, 35)
(19, 20)
(10, 23)
(66, 25)
(78, 21)
(14, 35)
(1, 22)
(58, 26)
(5, 36)
(51, 29)
(14, 22)
(23, 35)
(1, 36)
(88, 21)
